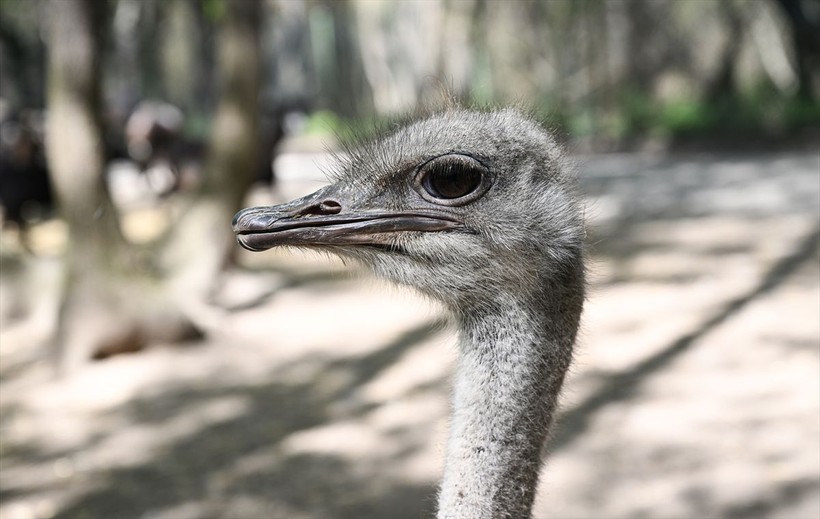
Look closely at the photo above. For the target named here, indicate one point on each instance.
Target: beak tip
(236, 218)
(243, 242)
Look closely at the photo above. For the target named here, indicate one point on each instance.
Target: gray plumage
(479, 211)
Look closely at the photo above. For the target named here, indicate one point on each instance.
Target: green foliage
(801, 113)
(324, 122)
(758, 111)
(214, 9)
(685, 115)
(197, 126)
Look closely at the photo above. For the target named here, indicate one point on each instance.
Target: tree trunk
(205, 227)
(112, 302)
(723, 85)
(118, 298)
(806, 42)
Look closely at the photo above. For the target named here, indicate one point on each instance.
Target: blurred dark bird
(479, 211)
(156, 141)
(25, 190)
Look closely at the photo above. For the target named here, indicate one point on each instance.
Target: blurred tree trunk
(104, 288)
(205, 227)
(117, 298)
(340, 70)
(723, 84)
(151, 15)
(454, 59)
(23, 59)
(640, 49)
(181, 44)
(805, 29)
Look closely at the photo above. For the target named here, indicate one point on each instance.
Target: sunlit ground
(321, 393)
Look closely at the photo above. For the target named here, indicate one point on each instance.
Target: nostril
(325, 207)
(330, 207)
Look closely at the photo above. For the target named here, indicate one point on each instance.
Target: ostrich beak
(326, 218)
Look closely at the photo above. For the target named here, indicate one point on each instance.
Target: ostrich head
(467, 207)
(477, 210)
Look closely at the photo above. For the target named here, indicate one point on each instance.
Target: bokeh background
(150, 369)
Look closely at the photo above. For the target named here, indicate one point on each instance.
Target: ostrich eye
(452, 180)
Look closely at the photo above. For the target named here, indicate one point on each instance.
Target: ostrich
(477, 210)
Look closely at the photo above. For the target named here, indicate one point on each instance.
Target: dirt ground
(321, 393)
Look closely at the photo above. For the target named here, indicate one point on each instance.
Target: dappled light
(152, 368)
(323, 393)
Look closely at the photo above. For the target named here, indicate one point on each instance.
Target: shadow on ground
(216, 470)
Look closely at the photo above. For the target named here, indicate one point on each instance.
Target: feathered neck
(511, 366)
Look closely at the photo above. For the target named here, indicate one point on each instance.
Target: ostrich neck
(511, 366)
